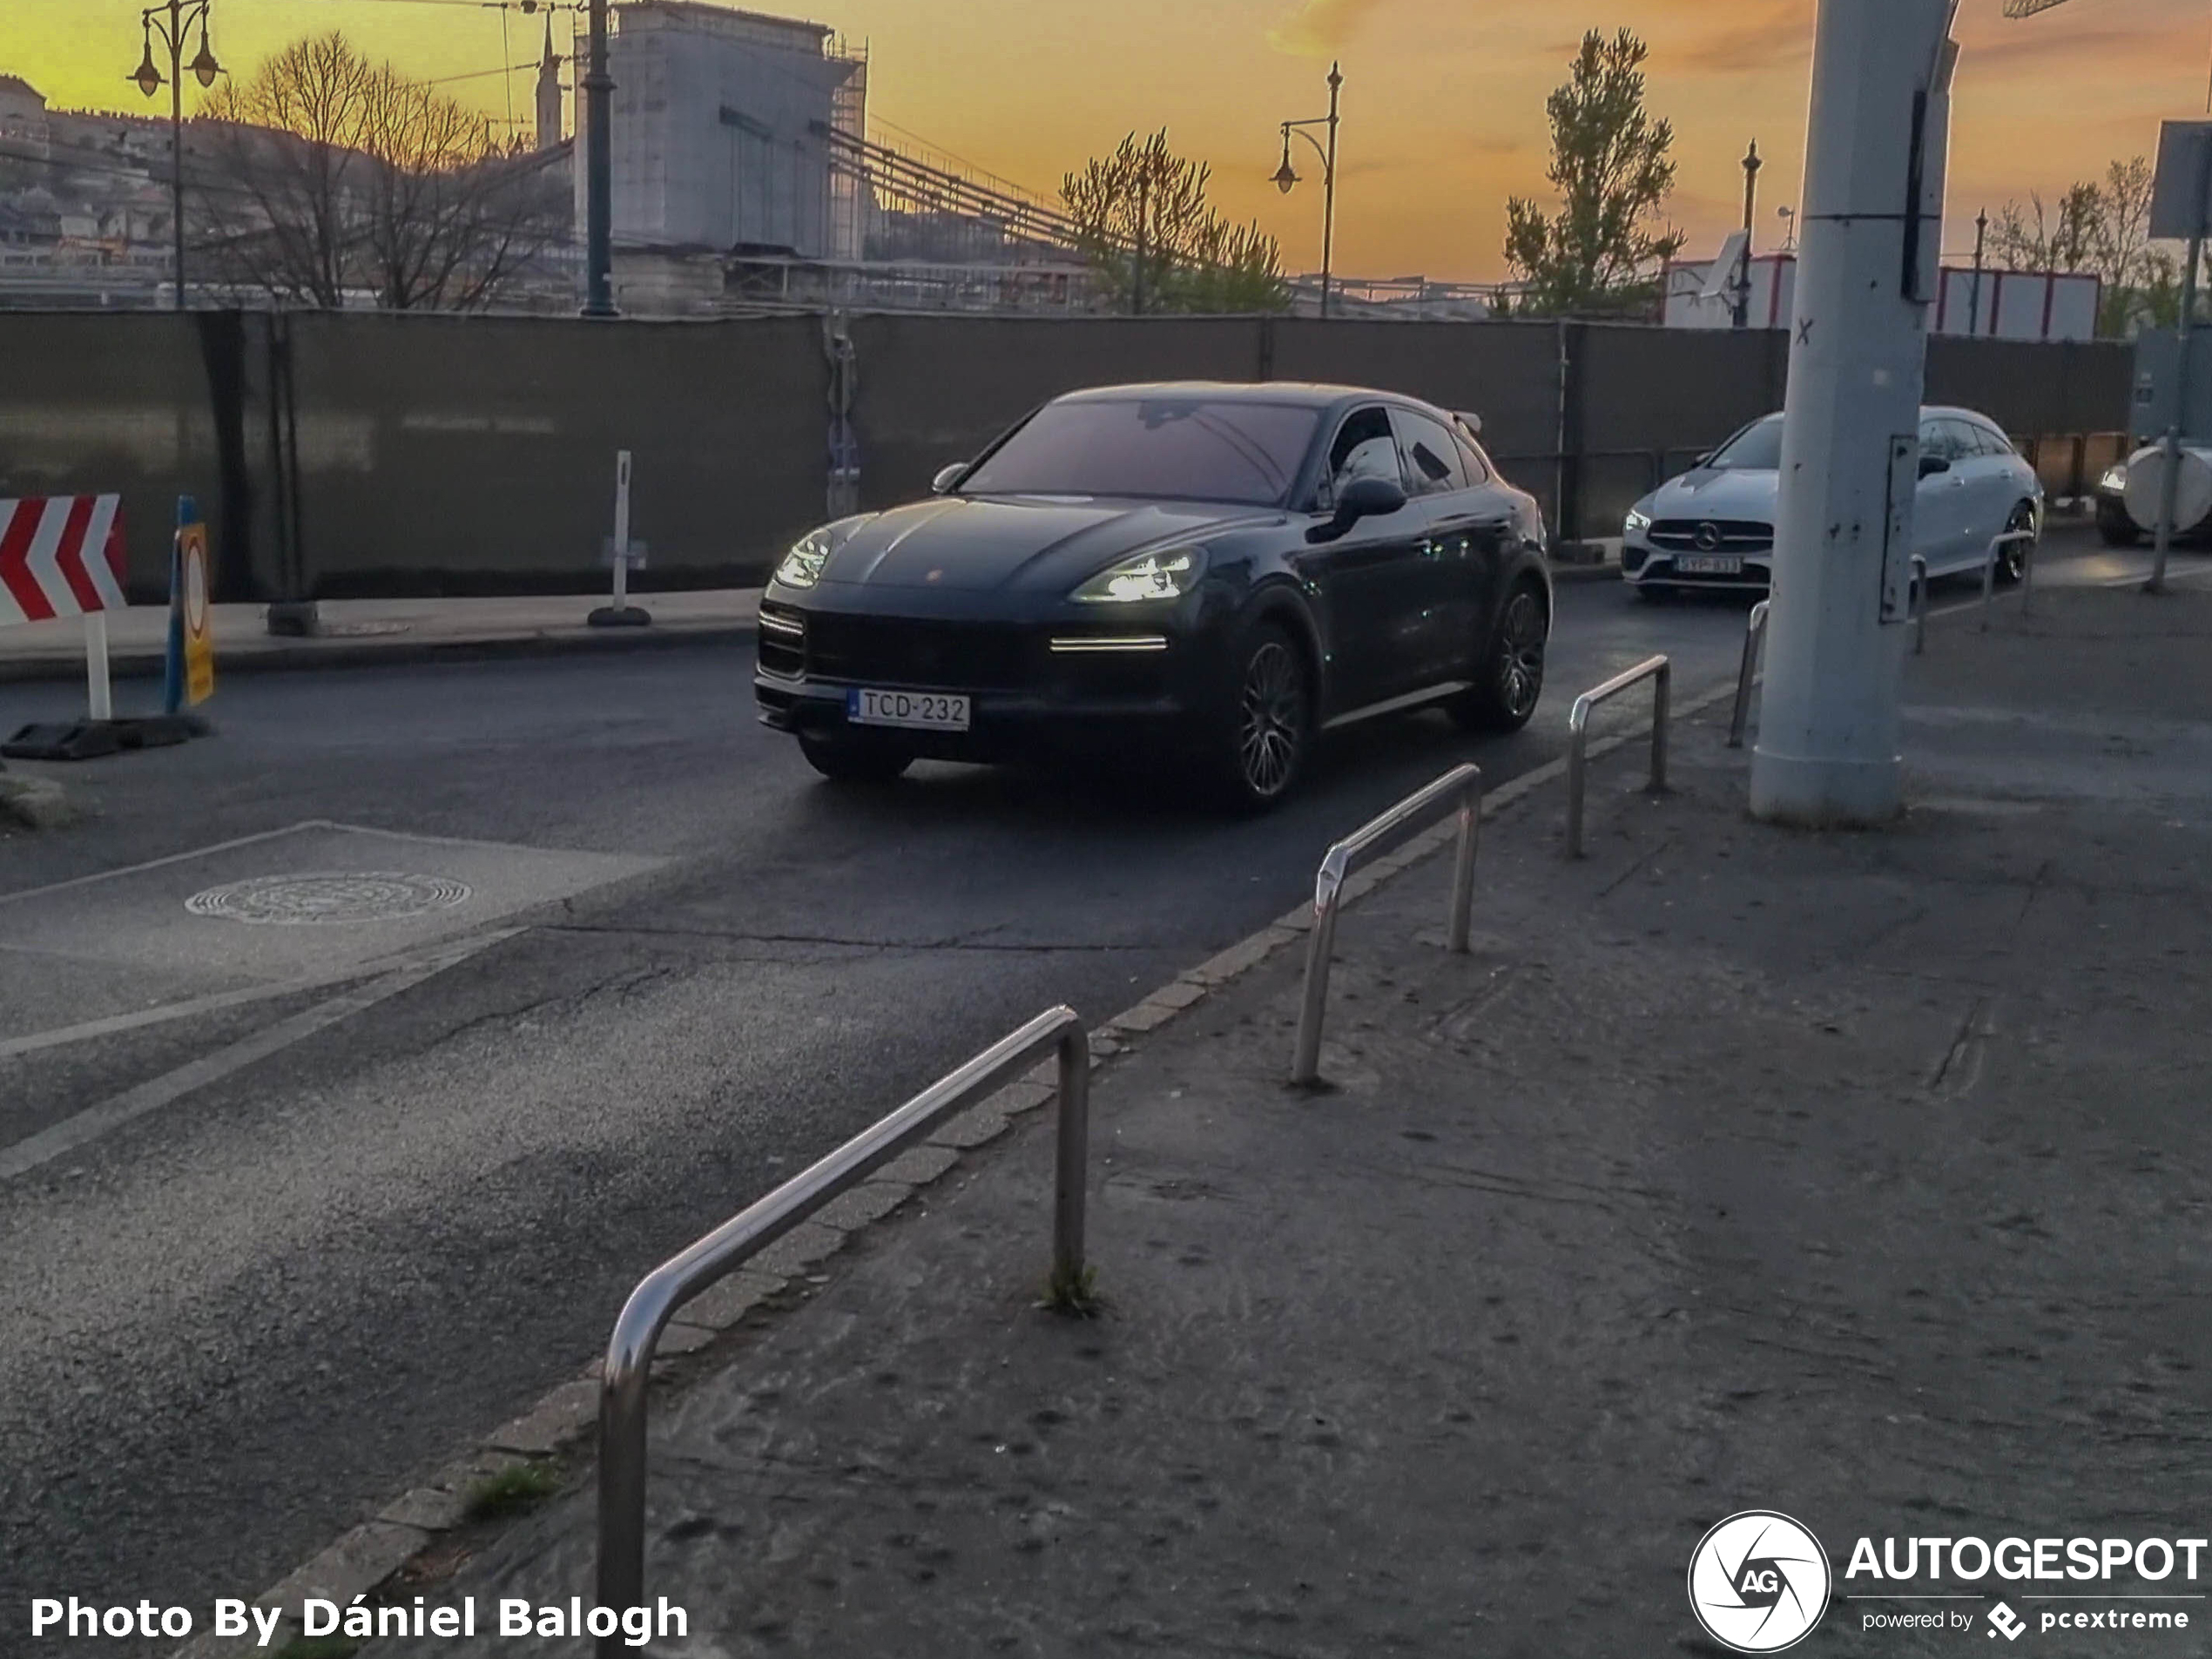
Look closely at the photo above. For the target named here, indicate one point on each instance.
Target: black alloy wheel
(1271, 722)
(2012, 558)
(1504, 698)
(855, 760)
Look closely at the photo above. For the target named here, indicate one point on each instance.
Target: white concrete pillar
(1828, 721)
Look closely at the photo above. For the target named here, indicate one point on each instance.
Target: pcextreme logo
(1758, 1583)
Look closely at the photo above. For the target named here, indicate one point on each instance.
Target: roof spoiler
(1468, 419)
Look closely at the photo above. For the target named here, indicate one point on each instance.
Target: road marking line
(151, 1095)
(173, 858)
(212, 1002)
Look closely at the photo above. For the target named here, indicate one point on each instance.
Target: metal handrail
(1917, 604)
(1754, 641)
(1462, 785)
(1578, 728)
(1989, 567)
(668, 1287)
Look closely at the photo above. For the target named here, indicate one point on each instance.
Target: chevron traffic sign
(60, 556)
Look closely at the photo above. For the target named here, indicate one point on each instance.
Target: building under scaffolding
(746, 175)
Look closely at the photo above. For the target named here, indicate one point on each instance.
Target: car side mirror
(1930, 465)
(1362, 498)
(947, 478)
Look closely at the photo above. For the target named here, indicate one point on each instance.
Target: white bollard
(100, 693)
(621, 613)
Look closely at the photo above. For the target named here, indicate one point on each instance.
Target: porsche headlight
(1168, 574)
(802, 566)
(2115, 478)
(1637, 523)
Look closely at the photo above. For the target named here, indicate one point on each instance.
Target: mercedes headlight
(1166, 574)
(2115, 478)
(802, 566)
(1637, 523)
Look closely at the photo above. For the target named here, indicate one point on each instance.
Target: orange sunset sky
(1443, 101)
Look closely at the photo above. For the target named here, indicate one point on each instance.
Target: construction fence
(354, 454)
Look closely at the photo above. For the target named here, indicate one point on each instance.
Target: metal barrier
(1917, 603)
(1578, 727)
(668, 1287)
(1754, 643)
(1462, 785)
(1989, 570)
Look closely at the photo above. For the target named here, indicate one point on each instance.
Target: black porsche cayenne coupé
(1202, 575)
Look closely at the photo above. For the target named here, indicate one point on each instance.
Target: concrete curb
(394, 650)
(415, 1529)
(1567, 573)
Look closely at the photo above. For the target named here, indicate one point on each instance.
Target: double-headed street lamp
(171, 23)
(1286, 175)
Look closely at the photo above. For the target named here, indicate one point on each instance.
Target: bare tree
(2098, 226)
(2041, 238)
(325, 175)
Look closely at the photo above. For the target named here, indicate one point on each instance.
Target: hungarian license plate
(1708, 564)
(919, 710)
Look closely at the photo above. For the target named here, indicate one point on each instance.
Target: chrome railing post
(627, 1371)
(1920, 606)
(1321, 952)
(1657, 669)
(1754, 645)
(1463, 873)
(2010, 538)
(1462, 785)
(1070, 1184)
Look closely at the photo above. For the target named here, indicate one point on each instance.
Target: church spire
(548, 94)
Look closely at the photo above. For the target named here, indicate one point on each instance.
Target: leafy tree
(1601, 253)
(327, 175)
(1143, 220)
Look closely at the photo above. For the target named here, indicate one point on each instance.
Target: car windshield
(1170, 448)
(1757, 447)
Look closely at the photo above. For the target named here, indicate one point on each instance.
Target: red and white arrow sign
(60, 556)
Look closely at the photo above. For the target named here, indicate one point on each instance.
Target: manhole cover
(295, 900)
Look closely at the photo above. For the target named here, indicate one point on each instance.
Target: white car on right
(1713, 527)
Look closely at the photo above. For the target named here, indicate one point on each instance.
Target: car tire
(2116, 528)
(2012, 563)
(854, 761)
(1510, 682)
(1266, 737)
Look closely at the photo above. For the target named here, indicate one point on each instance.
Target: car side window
(1432, 460)
(1966, 442)
(1480, 471)
(1993, 442)
(1937, 441)
(1364, 448)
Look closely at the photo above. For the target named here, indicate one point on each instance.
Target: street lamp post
(1286, 176)
(1751, 166)
(1974, 306)
(599, 160)
(171, 23)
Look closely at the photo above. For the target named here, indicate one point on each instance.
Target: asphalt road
(273, 1292)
